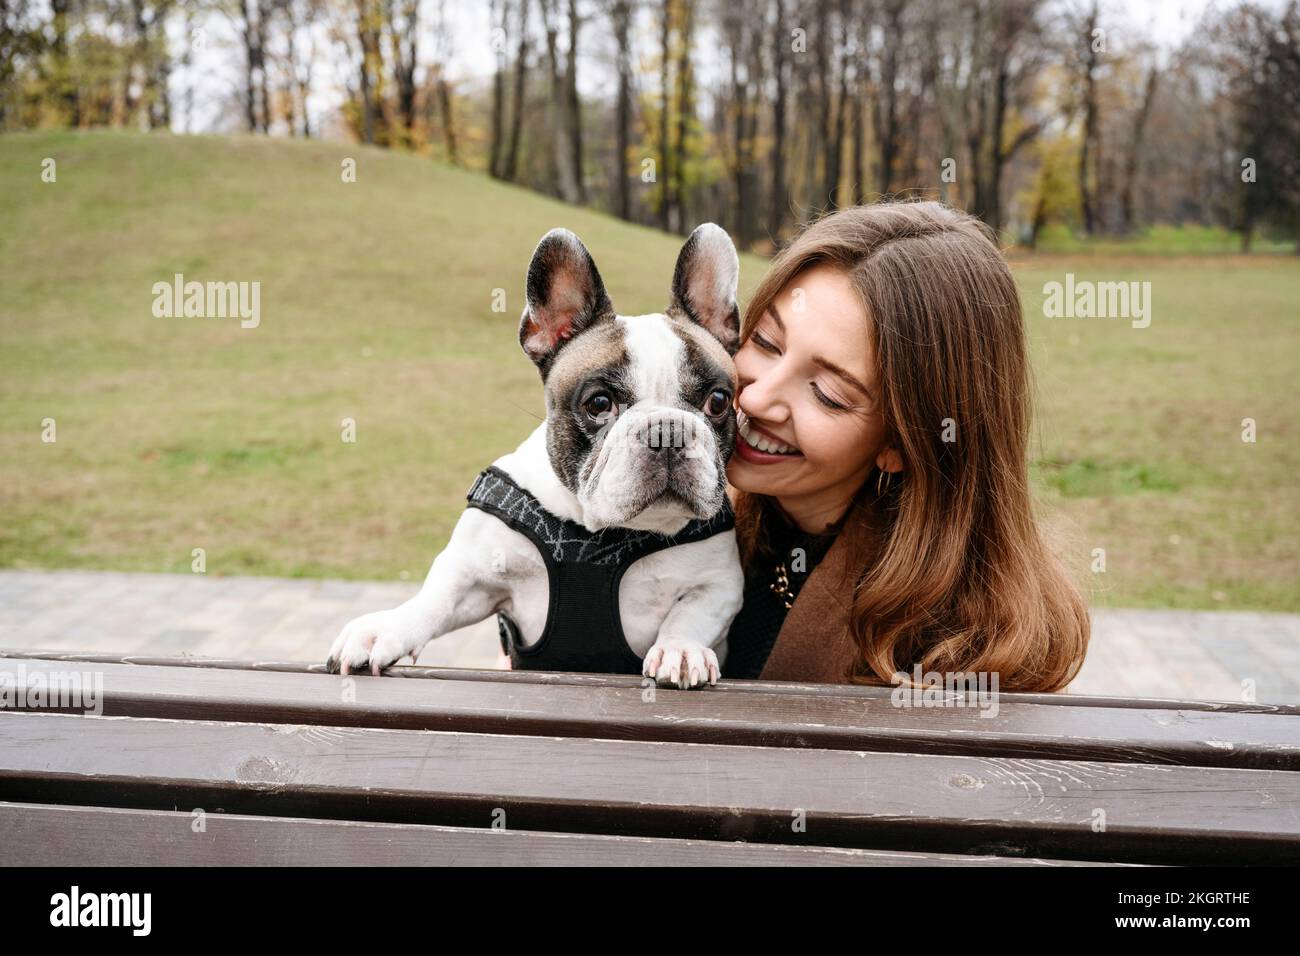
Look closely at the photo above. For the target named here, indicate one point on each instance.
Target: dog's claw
(692, 666)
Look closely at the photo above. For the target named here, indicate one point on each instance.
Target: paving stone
(1133, 652)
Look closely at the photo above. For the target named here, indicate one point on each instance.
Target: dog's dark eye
(718, 403)
(599, 405)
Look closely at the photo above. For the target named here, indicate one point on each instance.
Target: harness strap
(584, 630)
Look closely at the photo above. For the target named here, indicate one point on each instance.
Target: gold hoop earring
(887, 478)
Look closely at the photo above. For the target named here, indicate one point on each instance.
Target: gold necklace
(782, 586)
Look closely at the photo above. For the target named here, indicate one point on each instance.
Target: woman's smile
(759, 446)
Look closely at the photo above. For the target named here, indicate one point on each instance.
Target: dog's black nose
(666, 434)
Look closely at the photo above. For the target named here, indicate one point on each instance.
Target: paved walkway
(1185, 654)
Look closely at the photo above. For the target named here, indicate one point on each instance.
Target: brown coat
(813, 645)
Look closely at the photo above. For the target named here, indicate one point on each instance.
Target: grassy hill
(377, 305)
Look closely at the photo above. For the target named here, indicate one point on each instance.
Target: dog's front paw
(683, 663)
(377, 640)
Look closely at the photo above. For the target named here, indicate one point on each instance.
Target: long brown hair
(952, 572)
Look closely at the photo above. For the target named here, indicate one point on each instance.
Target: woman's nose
(762, 399)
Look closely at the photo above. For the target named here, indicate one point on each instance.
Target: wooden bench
(290, 765)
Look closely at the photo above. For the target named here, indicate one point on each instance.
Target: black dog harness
(584, 631)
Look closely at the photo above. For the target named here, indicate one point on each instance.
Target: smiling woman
(788, 381)
(883, 413)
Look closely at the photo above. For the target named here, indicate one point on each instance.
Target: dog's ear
(704, 284)
(564, 295)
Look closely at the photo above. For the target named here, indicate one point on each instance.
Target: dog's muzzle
(661, 454)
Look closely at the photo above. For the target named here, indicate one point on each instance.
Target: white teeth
(758, 441)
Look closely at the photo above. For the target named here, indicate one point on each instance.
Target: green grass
(1160, 240)
(1139, 446)
(1089, 478)
(175, 434)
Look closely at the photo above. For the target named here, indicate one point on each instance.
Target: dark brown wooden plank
(912, 802)
(614, 680)
(40, 835)
(1191, 738)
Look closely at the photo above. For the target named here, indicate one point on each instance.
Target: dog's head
(640, 421)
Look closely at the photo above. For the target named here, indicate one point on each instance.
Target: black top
(754, 631)
(584, 630)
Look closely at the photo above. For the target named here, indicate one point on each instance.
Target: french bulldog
(623, 485)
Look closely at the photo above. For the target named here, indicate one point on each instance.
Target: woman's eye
(599, 405)
(718, 403)
(825, 400)
(763, 343)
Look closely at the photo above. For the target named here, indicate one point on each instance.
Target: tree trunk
(665, 175)
(835, 147)
(250, 66)
(521, 72)
(404, 42)
(887, 105)
(65, 84)
(372, 64)
(993, 190)
(1090, 152)
(622, 17)
(820, 133)
(574, 104)
(1133, 164)
(684, 110)
(448, 120)
(741, 135)
(496, 146)
(778, 200)
(303, 76)
(750, 184)
(565, 175)
(263, 83)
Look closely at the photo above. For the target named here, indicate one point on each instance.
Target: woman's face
(808, 393)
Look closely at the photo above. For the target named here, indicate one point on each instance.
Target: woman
(884, 409)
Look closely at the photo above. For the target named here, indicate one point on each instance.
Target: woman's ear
(890, 460)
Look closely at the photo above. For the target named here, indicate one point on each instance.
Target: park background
(383, 169)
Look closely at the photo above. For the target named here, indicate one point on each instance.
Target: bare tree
(844, 53)
(620, 12)
(497, 13)
(402, 19)
(888, 133)
(369, 29)
(65, 87)
(685, 110)
(778, 198)
(743, 34)
(297, 19)
(1133, 161)
(665, 173)
(574, 105)
(566, 178)
(1006, 54)
(1085, 43)
(510, 168)
(249, 23)
(147, 63)
(441, 84)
